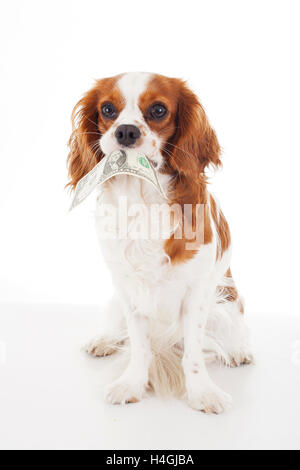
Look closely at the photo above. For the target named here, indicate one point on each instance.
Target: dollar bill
(120, 162)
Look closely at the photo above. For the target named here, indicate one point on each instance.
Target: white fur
(172, 312)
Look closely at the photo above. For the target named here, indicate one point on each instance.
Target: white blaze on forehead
(132, 85)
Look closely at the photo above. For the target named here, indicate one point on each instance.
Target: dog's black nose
(127, 134)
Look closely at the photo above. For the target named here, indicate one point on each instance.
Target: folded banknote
(120, 162)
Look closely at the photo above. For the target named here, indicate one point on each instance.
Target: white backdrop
(242, 58)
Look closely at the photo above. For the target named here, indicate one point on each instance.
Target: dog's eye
(108, 110)
(157, 112)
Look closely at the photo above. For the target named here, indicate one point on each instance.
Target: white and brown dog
(175, 302)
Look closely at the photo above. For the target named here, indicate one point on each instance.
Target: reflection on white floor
(50, 391)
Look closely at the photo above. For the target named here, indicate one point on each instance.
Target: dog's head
(159, 116)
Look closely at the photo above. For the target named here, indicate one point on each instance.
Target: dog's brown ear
(194, 145)
(85, 152)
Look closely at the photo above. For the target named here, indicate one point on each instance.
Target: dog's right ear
(85, 151)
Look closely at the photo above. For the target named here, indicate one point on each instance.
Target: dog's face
(138, 111)
(157, 115)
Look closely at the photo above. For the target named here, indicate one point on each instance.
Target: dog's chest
(131, 236)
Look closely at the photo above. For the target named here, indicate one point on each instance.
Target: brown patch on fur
(162, 90)
(241, 306)
(190, 145)
(195, 371)
(176, 246)
(132, 400)
(222, 227)
(230, 293)
(143, 130)
(88, 125)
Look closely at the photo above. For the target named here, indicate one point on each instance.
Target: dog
(176, 306)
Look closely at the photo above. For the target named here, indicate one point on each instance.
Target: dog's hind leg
(227, 333)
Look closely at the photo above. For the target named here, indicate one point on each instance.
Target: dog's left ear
(195, 145)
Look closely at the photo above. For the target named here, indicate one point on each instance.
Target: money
(120, 162)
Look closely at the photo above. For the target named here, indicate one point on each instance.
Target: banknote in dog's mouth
(129, 162)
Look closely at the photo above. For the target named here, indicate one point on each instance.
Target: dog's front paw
(210, 400)
(122, 392)
(102, 346)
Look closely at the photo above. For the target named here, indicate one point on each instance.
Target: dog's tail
(166, 375)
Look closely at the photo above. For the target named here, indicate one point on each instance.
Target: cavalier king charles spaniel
(175, 307)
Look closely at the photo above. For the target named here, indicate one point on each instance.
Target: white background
(241, 58)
